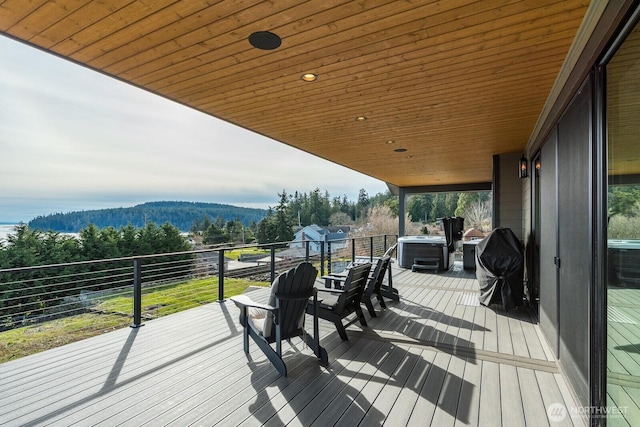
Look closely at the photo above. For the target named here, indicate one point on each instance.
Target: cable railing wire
(167, 282)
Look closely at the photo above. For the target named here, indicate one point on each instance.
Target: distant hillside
(180, 214)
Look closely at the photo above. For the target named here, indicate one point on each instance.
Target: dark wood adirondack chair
(387, 290)
(338, 303)
(374, 285)
(283, 317)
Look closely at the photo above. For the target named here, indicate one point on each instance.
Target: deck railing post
(221, 275)
(137, 293)
(353, 250)
(328, 257)
(321, 259)
(273, 263)
(385, 243)
(306, 251)
(371, 248)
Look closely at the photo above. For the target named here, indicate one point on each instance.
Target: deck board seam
(437, 288)
(463, 351)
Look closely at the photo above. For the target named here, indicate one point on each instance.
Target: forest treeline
(301, 209)
(27, 293)
(105, 237)
(27, 247)
(212, 223)
(179, 214)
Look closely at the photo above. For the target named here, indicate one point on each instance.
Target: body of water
(5, 230)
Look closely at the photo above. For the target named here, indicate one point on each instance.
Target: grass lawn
(113, 312)
(235, 254)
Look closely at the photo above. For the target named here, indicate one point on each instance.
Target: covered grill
(500, 268)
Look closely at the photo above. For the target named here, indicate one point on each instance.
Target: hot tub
(624, 263)
(423, 248)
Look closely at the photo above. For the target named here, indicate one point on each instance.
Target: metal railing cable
(147, 286)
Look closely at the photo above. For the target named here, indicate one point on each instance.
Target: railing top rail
(195, 251)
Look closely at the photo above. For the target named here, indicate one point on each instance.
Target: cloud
(73, 139)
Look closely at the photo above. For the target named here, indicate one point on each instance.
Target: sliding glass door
(623, 232)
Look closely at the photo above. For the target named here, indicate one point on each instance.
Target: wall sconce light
(523, 172)
(537, 167)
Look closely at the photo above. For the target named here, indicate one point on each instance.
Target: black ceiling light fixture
(265, 40)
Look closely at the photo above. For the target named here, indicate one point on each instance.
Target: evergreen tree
(23, 248)
(304, 211)
(214, 235)
(128, 244)
(265, 230)
(451, 203)
(97, 244)
(319, 208)
(624, 200)
(295, 208)
(419, 208)
(196, 227)
(206, 222)
(362, 204)
(283, 222)
(348, 207)
(172, 240)
(438, 207)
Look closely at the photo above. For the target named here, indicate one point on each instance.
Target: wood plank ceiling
(451, 82)
(623, 110)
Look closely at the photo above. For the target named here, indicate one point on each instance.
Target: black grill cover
(500, 268)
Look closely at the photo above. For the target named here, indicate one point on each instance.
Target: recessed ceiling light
(265, 40)
(309, 77)
(361, 118)
(400, 150)
(391, 141)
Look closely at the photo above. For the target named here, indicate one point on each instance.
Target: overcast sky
(72, 139)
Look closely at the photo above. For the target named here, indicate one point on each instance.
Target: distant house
(318, 236)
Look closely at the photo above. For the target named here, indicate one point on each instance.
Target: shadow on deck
(436, 357)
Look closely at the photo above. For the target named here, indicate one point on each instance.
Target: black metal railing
(135, 289)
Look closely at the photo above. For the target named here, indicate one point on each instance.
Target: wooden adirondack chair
(283, 317)
(387, 290)
(374, 285)
(336, 304)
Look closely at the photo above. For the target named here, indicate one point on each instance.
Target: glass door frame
(599, 302)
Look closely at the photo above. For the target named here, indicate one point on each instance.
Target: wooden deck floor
(434, 358)
(623, 353)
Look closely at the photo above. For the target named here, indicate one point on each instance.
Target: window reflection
(623, 265)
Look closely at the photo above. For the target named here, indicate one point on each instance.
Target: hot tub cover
(500, 268)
